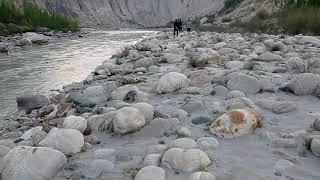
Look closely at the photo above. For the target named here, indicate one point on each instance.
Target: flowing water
(40, 69)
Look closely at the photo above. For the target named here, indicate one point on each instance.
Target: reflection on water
(40, 69)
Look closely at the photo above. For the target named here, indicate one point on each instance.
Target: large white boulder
(202, 176)
(128, 119)
(75, 122)
(32, 163)
(146, 109)
(244, 83)
(36, 38)
(151, 173)
(296, 65)
(64, 140)
(185, 160)
(172, 82)
(236, 122)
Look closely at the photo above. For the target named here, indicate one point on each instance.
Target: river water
(43, 68)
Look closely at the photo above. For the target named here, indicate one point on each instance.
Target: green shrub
(304, 20)
(307, 144)
(33, 17)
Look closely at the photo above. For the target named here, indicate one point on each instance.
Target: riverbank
(231, 106)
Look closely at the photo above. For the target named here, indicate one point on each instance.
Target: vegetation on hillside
(294, 17)
(14, 21)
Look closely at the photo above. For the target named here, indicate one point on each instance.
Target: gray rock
(145, 62)
(75, 122)
(97, 167)
(208, 143)
(200, 120)
(172, 82)
(185, 160)
(151, 173)
(101, 122)
(96, 92)
(159, 127)
(37, 38)
(202, 176)
(121, 92)
(152, 159)
(24, 162)
(220, 91)
(146, 109)
(296, 65)
(184, 132)
(278, 105)
(25, 42)
(244, 83)
(303, 84)
(4, 47)
(31, 102)
(184, 143)
(80, 100)
(315, 147)
(64, 140)
(269, 57)
(128, 120)
(106, 154)
(4, 151)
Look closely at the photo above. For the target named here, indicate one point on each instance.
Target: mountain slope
(121, 13)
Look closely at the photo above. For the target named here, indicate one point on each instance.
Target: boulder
(4, 151)
(235, 65)
(185, 160)
(208, 143)
(277, 105)
(172, 58)
(24, 42)
(36, 38)
(101, 122)
(144, 62)
(80, 100)
(303, 84)
(310, 40)
(121, 92)
(269, 57)
(128, 120)
(35, 135)
(75, 122)
(64, 140)
(219, 91)
(202, 176)
(151, 173)
(200, 79)
(296, 65)
(4, 47)
(235, 123)
(30, 163)
(184, 143)
(31, 102)
(96, 92)
(146, 109)
(152, 159)
(315, 147)
(244, 83)
(172, 82)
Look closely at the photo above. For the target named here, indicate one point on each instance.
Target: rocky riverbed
(202, 106)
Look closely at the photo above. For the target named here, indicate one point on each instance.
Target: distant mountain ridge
(123, 13)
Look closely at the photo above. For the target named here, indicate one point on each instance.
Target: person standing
(176, 28)
(180, 25)
(189, 25)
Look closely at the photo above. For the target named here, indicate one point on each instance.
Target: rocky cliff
(121, 13)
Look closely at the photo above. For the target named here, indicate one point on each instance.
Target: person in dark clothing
(180, 25)
(176, 28)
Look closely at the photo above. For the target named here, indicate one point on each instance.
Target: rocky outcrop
(117, 13)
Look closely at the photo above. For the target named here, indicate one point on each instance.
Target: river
(43, 68)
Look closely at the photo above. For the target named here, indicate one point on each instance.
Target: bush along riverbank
(32, 26)
(293, 17)
(178, 108)
(31, 18)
